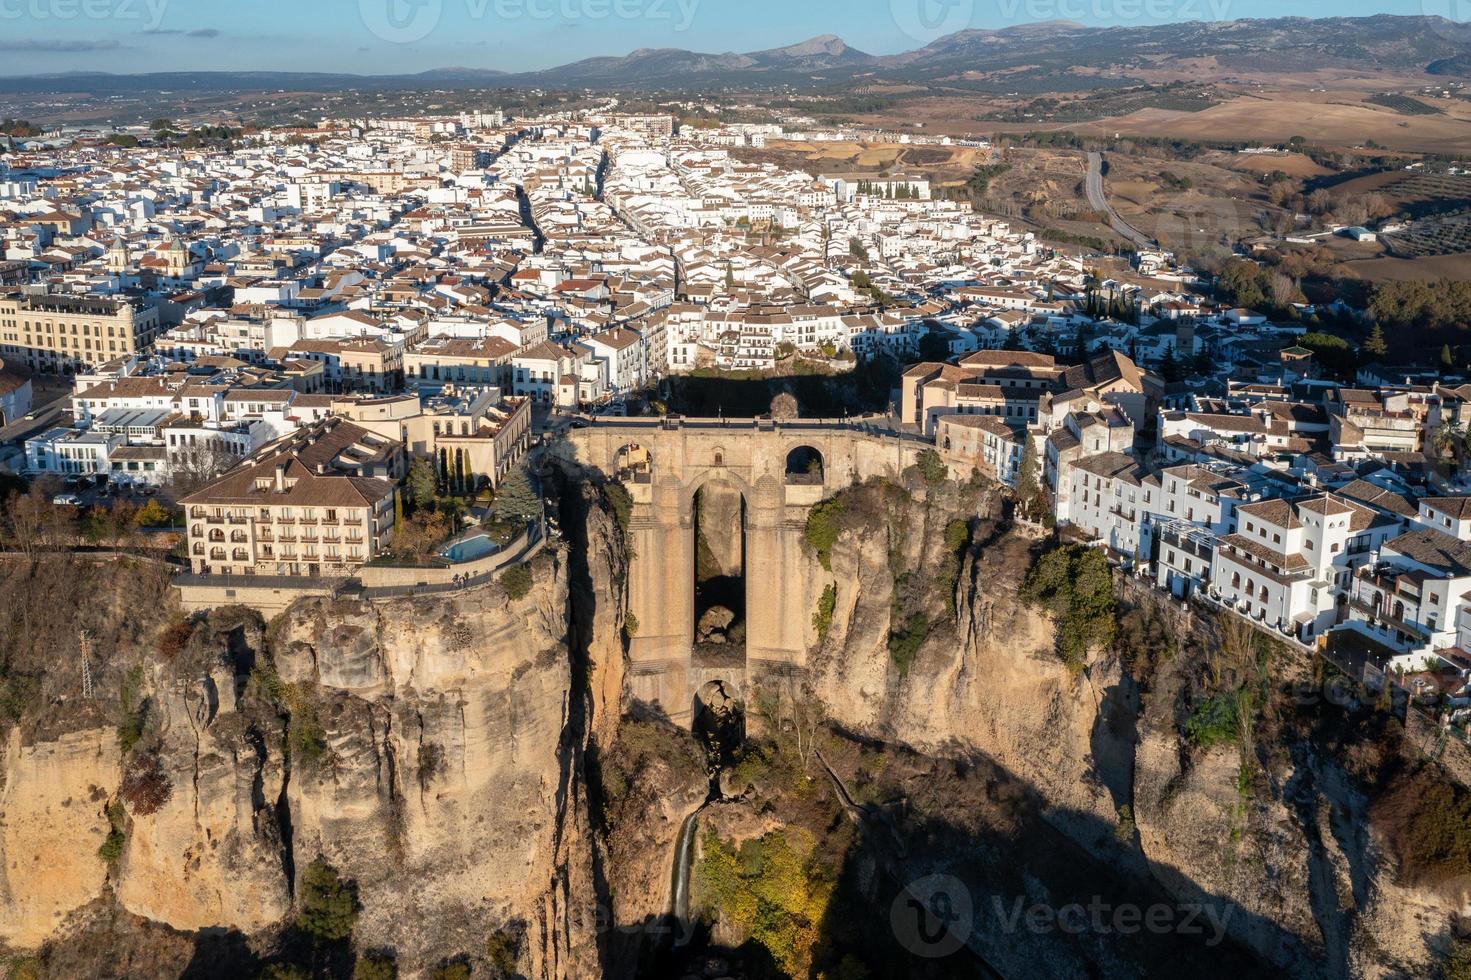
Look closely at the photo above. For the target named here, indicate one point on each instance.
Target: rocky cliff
(1275, 833)
(430, 749)
(469, 764)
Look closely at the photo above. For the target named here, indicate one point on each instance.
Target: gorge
(503, 783)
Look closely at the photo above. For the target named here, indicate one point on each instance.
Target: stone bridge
(779, 470)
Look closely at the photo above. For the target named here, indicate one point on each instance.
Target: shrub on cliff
(822, 530)
(822, 620)
(373, 967)
(1428, 820)
(620, 502)
(517, 582)
(1075, 586)
(329, 905)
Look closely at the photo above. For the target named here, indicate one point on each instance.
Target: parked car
(67, 500)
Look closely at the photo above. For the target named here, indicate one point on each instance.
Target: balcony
(239, 521)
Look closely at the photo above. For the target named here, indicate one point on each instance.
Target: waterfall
(679, 887)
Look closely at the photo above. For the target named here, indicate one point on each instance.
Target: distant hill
(1052, 56)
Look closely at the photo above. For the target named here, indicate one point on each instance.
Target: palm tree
(1445, 440)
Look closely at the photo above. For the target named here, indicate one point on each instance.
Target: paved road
(1098, 200)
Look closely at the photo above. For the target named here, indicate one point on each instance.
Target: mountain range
(1050, 56)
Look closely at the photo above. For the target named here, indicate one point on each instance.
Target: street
(1098, 200)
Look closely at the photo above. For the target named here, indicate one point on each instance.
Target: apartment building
(318, 503)
(445, 360)
(1411, 598)
(474, 430)
(63, 334)
(990, 445)
(1290, 564)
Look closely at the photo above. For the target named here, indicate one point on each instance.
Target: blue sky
(387, 36)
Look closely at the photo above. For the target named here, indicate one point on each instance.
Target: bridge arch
(634, 463)
(806, 465)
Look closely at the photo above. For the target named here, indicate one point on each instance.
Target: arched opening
(804, 467)
(720, 569)
(635, 465)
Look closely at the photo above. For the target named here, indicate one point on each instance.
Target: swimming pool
(470, 549)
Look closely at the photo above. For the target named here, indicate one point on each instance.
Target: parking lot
(89, 494)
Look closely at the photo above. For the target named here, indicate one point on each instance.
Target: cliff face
(428, 748)
(464, 760)
(1285, 849)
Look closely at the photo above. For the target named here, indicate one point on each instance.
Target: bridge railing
(877, 425)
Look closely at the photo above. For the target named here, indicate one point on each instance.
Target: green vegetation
(620, 502)
(1075, 586)
(1428, 820)
(1424, 305)
(111, 850)
(822, 530)
(1029, 498)
(905, 643)
(957, 539)
(19, 128)
(373, 967)
(775, 889)
(932, 468)
(822, 620)
(455, 970)
(154, 514)
(1174, 182)
(980, 179)
(1457, 964)
(630, 625)
(329, 905)
(306, 739)
(516, 500)
(502, 949)
(134, 718)
(23, 968)
(1216, 720)
(1127, 829)
(285, 971)
(517, 582)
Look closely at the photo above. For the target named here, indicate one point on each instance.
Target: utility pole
(84, 639)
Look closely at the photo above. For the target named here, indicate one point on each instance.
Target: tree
(197, 466)
(329, 905)
(422, 485)
(1447, 359)
(784, 407)
(516, 500)
(1375, 347)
